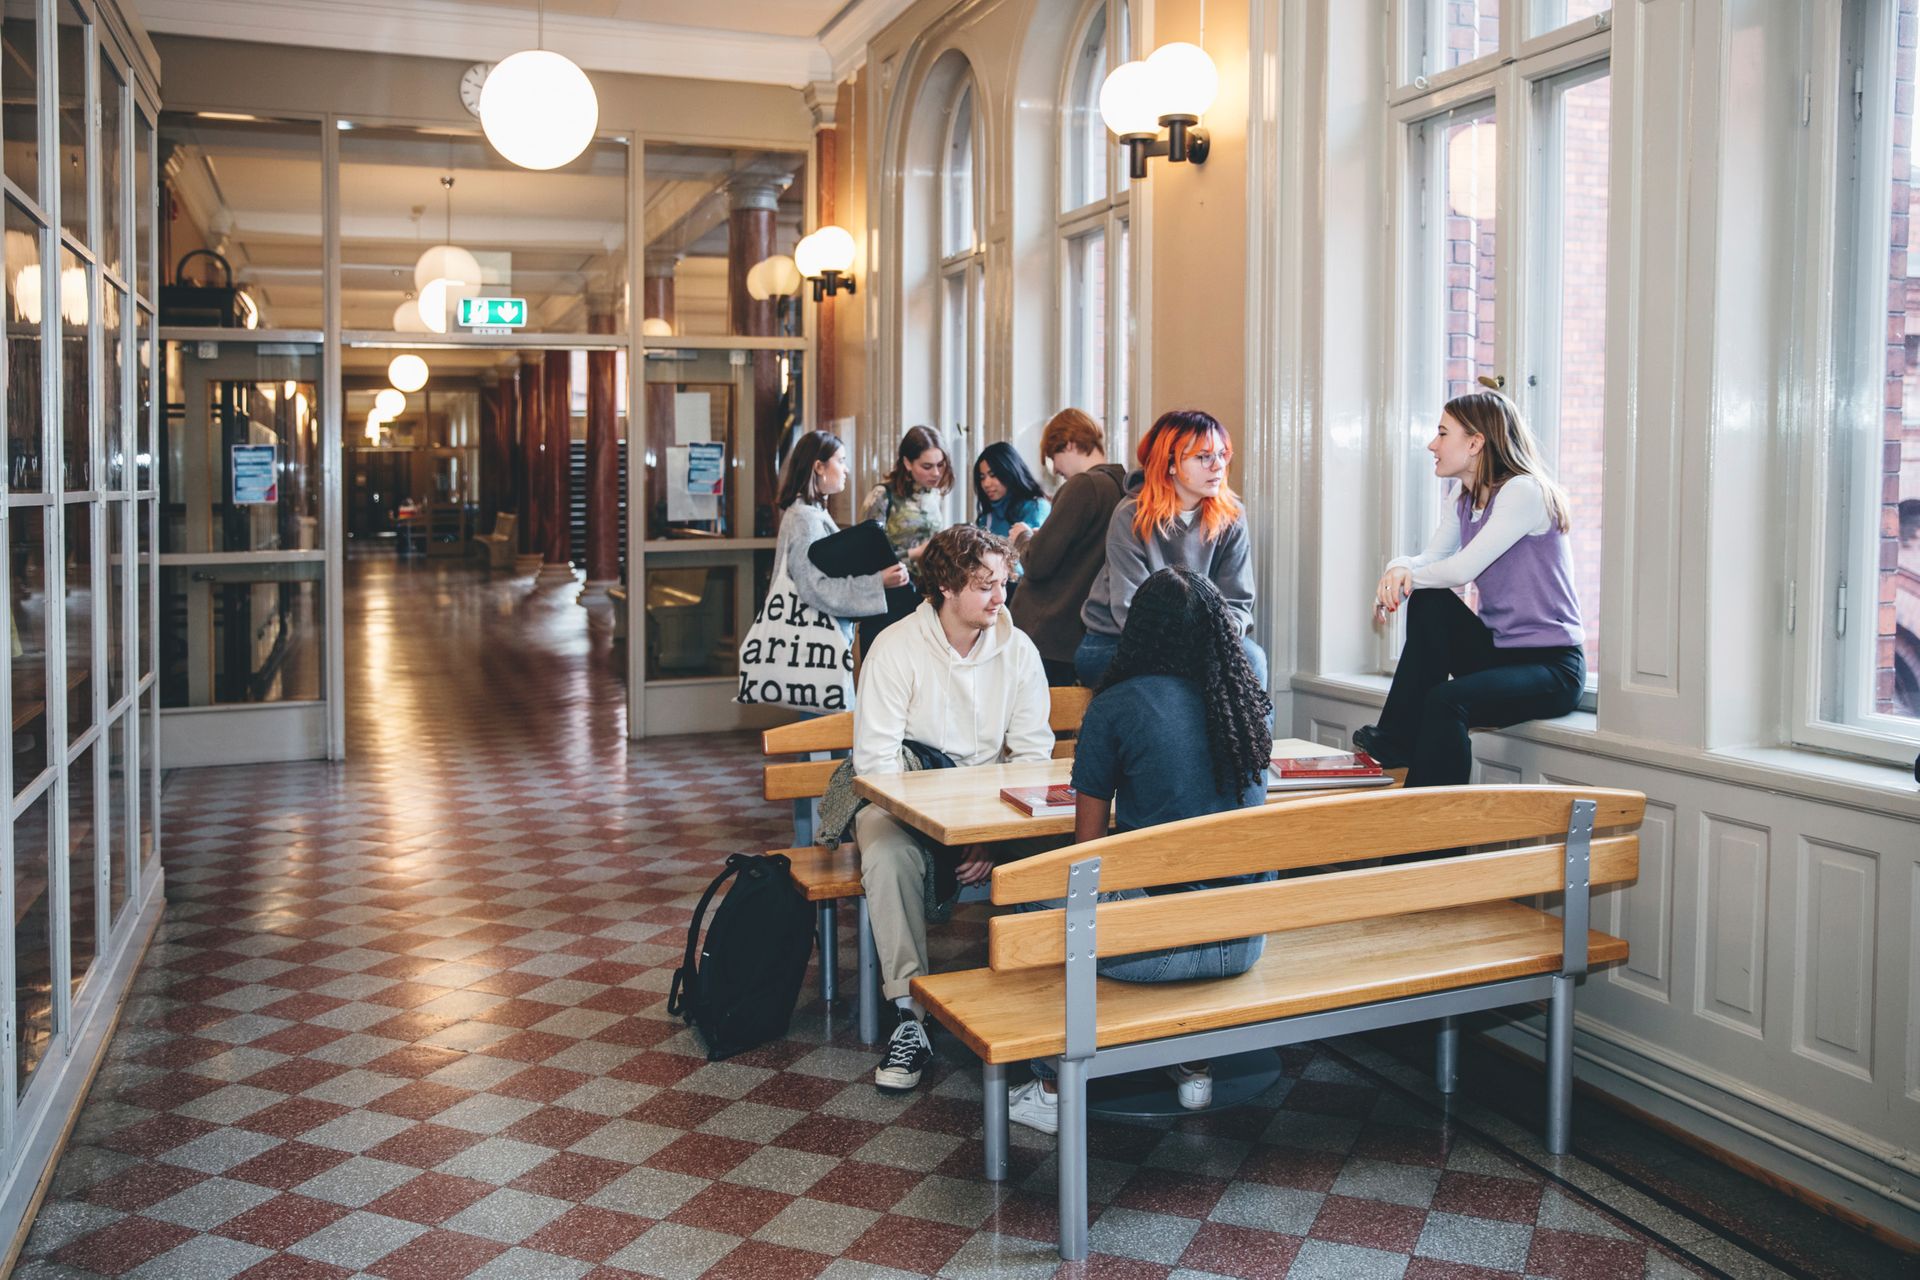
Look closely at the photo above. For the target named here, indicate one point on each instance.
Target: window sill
(1810, 775)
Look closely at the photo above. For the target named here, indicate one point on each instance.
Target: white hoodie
(987, 707)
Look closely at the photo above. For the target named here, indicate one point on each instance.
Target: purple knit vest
(1526, 596)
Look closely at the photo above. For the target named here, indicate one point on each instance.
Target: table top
(963, 806)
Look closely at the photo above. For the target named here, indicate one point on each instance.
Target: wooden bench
(826, 877)
(1348, 949)
(498, 547)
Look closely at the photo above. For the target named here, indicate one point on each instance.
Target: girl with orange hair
(1178, 512)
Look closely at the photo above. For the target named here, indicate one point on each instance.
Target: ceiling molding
(846, 38)
(488, 33)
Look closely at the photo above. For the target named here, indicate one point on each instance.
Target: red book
(1040, 802)
(1341, 769)
(1346, 764)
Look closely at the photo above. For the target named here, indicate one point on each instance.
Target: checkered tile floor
(405, 1019)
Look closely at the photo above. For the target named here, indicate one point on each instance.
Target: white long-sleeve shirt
(1520, 513)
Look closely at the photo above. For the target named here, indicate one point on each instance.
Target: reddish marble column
(557, 388)
(603, 467)
(506, 434)
(656, 289)
(490, 457)
(749, 239)
(826, 147)
(533, 497)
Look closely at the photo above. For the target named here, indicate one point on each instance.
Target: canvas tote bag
(794, 655)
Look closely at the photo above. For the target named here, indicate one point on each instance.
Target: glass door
(242, 558)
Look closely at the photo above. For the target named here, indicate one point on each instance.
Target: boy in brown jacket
(1062, 557)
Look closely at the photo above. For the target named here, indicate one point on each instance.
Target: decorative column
(491, 470)
(604, 498)
(822, 100)
(557, 388)
(750, 228)
(656, 288)
(533, 494)
(506, 426)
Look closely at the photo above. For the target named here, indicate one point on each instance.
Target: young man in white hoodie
(959, 676)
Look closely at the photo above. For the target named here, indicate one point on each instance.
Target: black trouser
(1453, 678)
(1059, 673)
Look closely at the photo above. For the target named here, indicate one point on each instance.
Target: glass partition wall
(81, 871)
(620, 288)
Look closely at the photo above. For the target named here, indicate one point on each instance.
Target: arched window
(962, 284)
(1093, 226)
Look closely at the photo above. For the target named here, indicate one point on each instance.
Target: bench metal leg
(1072, 1157)
(1446, 1056)
(993, 1109)
(869, 979)
(1560, 1066)
(829, 952)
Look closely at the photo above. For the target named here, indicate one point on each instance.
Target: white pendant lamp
(389, 403)
(437, 299)
(408, 372)
(447, 262)
(1473, 170)
(407, 318)
(538, 109)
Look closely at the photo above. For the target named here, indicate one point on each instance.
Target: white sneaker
(1194, 1087)
(1031, 1105)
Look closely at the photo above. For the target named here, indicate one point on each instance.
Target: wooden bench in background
(826, 877)
(1348, 950)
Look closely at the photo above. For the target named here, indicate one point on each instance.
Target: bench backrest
(807, 779)
(1322, 831)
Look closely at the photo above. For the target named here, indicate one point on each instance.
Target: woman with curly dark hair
(1180, 727)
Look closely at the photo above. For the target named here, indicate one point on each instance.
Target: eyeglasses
(1212, 458)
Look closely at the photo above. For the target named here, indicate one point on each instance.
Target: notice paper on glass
(682, 502)
(705, 478)
(254, 482)
(692, 417)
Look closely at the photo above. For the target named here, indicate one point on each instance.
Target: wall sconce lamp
(826, 258)
(1172, 89)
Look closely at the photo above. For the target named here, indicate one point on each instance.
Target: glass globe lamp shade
(407, 372)
(655, 327)
(407, 318)
(1127, 102)
(828, 249)
(446, 262)
(389, 403)
(1182, 81)
(26, 293)
(757, 282)
(437, 301)
(73, 296)
(1473, 170)
(783, 276)
(538, 109)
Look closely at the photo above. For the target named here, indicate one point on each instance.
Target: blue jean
(1228, 959)
(1095, 655)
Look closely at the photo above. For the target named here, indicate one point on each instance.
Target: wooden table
(963, 806)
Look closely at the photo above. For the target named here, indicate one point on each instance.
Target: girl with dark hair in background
(910, 506)
(815, 471)
(1009, 493)
(1181, 669)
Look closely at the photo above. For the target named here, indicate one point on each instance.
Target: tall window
(1096, 312)
(962, 289)
(1469, 308)
(1861, 622)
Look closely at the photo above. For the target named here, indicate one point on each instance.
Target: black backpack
(742, 991)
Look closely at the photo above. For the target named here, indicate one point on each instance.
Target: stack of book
(1040, 802)
(1325, 772)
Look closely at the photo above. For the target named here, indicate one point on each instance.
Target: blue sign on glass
(705, 462)
(254, 479)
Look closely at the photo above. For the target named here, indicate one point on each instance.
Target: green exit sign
(493, 313)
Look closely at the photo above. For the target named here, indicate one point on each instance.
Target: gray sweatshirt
(842, 598)
(1226, 561)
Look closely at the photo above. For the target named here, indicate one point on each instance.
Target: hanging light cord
(540, 34)
(1203, 23)
(447, 182)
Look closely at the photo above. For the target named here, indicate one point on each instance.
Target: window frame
(1108, 216)
(1844, 372)
(960, 282)
(1508, 79)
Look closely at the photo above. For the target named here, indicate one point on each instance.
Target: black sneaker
(908, 1052)
(1369, 739)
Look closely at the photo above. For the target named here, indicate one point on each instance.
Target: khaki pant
(893, 872)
